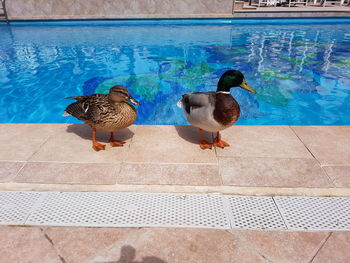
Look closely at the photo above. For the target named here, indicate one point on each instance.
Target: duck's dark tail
(78, 110)
(78, 98)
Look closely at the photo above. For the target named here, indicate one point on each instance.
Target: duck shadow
(84, 131)
(128, 254)
(191, 134)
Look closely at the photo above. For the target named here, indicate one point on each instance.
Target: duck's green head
(121, 94)
(233, 78)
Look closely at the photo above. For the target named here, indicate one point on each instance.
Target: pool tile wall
(61, 9)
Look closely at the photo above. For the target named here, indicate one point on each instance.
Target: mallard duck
(215, 111)
(108, 112)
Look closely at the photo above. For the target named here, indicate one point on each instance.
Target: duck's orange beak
(133, 101)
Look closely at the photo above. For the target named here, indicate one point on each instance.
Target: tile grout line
(46, 236)
(41, 145)
(117, 172)
(18, 172)
(129, 147)
(217, 161)
(169, 163)
(36, 205)
(223, 189)
(330, 179)
(216, 153)
(220, 174)
(307, 148)
(253, 249)
(322, 245)
(12, 161)
(332, 165)
(111, 163)
(262, 255)
(280, 213)
(320, 164)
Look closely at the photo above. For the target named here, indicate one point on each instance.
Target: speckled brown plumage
(109, 113)
(101, 113)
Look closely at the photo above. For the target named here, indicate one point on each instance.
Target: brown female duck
(215, 111)
(108, 112)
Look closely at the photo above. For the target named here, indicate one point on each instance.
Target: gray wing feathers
(197, 100)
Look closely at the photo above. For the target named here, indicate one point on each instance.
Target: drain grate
(249, 212)
(174, 210)
(130, 209)
(15, 207)
(315, 213)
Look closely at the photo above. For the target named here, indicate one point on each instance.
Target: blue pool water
(300, 68)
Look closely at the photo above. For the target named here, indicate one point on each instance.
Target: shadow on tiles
(191, 134)
(128, 254)
(84, 131)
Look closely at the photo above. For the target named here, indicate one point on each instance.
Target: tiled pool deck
(262, 160)
(167, 245)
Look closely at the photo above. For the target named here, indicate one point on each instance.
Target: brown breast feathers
(226, 109)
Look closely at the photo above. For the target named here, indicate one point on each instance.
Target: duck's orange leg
(203, 143)
(115, 143)
(220, 143)
(95, 144)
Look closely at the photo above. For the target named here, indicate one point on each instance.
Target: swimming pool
(300, 68)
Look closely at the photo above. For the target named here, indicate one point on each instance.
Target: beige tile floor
(59, 155)
(281, 157)
(169, 245)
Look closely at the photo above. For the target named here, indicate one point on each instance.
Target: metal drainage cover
(130, 209)
(15, 207)
(250, 212)
(315, 213)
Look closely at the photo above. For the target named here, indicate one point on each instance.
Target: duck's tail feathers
(65, 114)
(180, 104)
(78, 110)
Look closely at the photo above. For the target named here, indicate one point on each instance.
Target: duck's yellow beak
(245, 85)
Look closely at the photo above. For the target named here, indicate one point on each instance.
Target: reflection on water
(300, 71)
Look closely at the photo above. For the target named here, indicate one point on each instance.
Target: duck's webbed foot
(220, 143)
(98, 146)
(95, 144)
(203, 143)
(115, 143)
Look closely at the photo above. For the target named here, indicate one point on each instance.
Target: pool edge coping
(190, 189)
